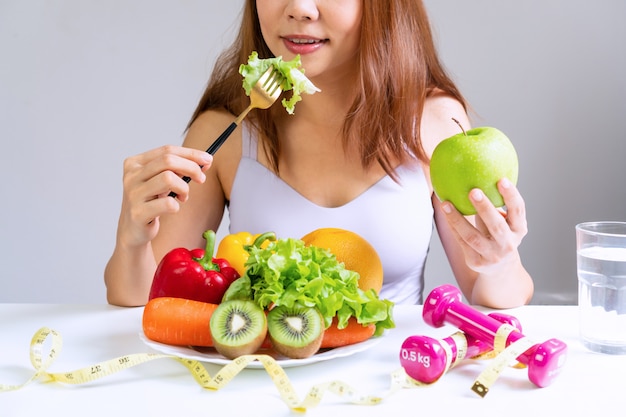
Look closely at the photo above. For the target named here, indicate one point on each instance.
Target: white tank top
(396, 218)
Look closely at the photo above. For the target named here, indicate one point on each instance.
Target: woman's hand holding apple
(474, 177)
(490, 243)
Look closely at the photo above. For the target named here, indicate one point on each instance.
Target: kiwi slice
(295, 332)
(238, 327)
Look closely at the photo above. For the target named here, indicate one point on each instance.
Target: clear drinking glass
(601, 266)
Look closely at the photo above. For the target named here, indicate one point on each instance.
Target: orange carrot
(354, 332)
(178, 321)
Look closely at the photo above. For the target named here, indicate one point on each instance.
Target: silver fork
(263, 94)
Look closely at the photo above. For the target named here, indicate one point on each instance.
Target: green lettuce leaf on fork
(287, 272)
(292, 71)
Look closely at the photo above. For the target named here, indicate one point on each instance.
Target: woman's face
(326, 33)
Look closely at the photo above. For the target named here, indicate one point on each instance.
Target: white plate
(211, 356)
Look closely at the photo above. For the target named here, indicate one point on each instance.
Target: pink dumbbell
(444, 305)
(424, 358)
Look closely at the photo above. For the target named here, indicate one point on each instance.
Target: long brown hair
(398, 69)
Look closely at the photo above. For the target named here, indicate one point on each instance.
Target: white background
(86, 83)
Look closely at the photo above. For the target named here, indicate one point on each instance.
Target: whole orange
(356, 253)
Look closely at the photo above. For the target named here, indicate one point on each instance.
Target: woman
(354, 156)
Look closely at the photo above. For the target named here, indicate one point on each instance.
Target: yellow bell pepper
(232, 249)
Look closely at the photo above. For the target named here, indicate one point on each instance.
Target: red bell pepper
(193, 274)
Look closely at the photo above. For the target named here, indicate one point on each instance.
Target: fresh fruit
(356, 253)
(238, 327)
(478, 158)
(288, 272)
(295, 332)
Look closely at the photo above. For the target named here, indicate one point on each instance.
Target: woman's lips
(302, 45)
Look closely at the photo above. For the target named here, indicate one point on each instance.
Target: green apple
(478, 158)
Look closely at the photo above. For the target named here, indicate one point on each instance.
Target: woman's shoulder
(208, 126)
(204, 130)
(209, 123)
(440, 111)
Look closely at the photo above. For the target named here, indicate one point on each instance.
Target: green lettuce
(294, 78)
(287, 272)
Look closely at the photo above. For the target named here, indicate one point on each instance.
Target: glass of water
(601, 266)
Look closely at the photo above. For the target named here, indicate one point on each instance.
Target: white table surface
(589, 383)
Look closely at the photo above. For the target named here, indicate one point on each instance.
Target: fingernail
(505, 183)
(447, 208)
(477, 195)
(207, 157)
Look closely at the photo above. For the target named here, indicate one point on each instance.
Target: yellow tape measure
(399, 379)
(460, 340)
(502, 357)
(41, 362)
